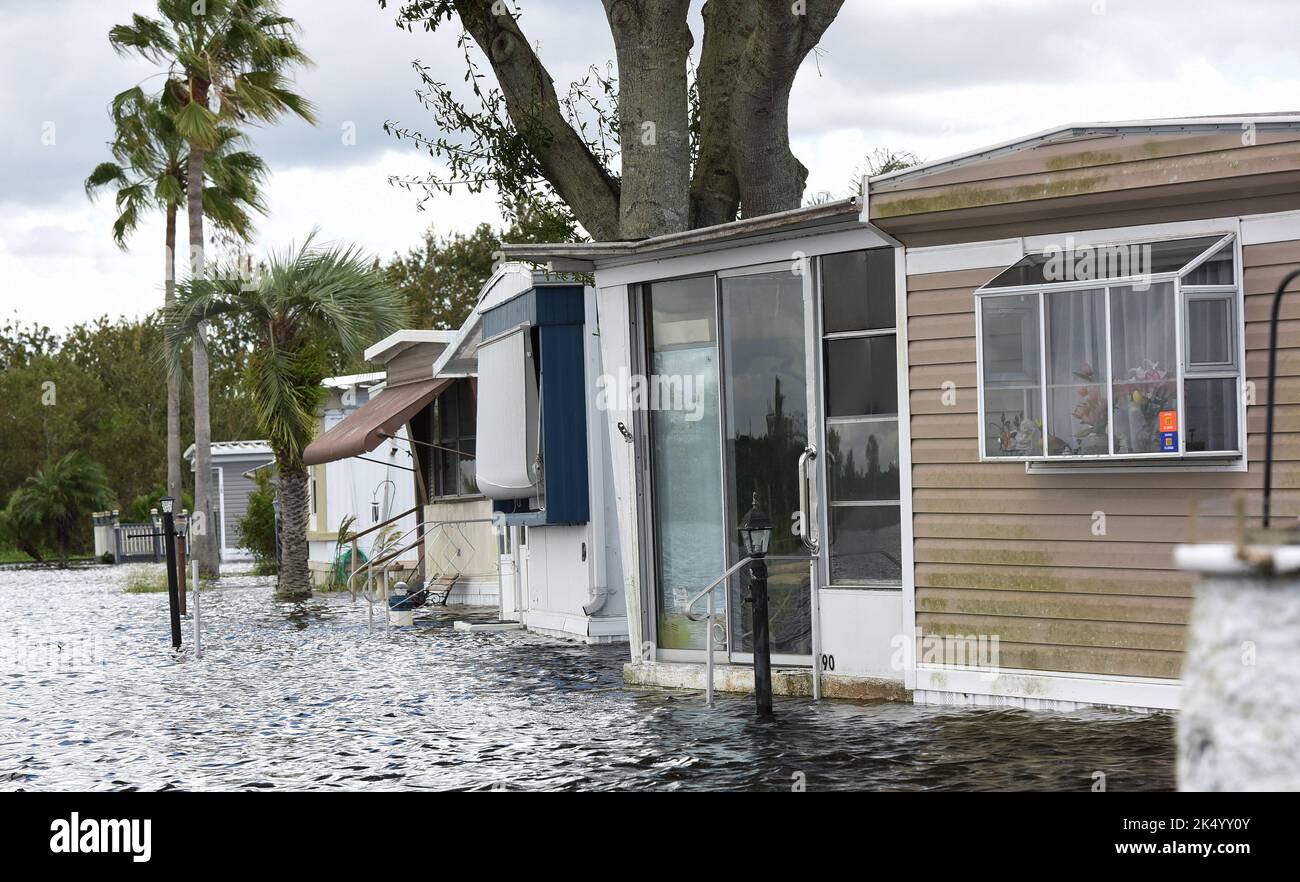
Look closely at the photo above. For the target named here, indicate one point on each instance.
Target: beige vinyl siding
(1001, 552)
(1092, 183)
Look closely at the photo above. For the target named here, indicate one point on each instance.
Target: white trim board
(964, 256)
(1092, 689)
(1260, 229)
(1255, 229)
(786, 250)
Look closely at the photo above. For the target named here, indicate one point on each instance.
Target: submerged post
(198, 642)
(181, 568)
(755, 535)
(762, 647)
(173, 584)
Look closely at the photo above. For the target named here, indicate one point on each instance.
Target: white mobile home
(367, 489)
(978, 464)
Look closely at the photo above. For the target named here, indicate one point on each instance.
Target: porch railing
(442, 547)
(710, 615)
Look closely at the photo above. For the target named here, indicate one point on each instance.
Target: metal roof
(583, 255)
(1262, 122)
(234, 448)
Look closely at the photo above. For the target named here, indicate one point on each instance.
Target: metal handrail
(697, 598)
(396, 517)
(710, 614)
(424, 529)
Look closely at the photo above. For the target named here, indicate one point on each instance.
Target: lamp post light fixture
(755, 538)
(374, 498)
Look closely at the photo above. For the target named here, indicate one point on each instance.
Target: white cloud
(60, 267)
(936, 77)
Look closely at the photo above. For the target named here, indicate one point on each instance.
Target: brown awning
(365, 428)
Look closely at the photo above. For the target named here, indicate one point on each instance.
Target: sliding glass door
(765, 431)
(686, 460)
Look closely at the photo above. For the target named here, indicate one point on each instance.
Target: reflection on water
(297, 697)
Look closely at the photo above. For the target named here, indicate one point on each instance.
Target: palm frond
(104, 173)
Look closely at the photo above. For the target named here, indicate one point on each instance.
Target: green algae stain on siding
(1085, 159)
(977, 197)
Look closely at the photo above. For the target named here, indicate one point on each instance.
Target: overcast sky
(936, 77)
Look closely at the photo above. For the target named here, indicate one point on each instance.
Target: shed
(232, 465)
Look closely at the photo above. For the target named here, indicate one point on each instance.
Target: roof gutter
(585, 255)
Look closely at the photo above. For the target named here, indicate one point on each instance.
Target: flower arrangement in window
(1091, 413)
(1147, 392)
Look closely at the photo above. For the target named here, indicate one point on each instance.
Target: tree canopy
(669, 143)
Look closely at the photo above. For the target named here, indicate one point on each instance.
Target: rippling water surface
(300, 697)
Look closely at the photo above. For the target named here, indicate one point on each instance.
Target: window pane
(1211, 414)
(861, 376)
(863, 460)
(1011, 367)
(1077, 410)
(685, 459)
(1103, 262)
(1218, 270)
(858, 290)
(448, 478)
(1209, 331)
(1142, 355)
(465, 409)
(866, 544)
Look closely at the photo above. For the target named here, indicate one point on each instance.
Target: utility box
(531, 457)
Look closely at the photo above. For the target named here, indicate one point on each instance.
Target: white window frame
(1231, 459)
(827, 423)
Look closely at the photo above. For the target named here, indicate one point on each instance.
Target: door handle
(806, 533)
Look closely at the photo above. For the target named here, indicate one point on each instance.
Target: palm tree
(19, 530)
(313, 305)
(228, 62)
(148, 172)
(57, 497)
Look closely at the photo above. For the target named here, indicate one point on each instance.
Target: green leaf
(197, 125)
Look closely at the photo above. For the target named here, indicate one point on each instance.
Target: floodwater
(301, 697)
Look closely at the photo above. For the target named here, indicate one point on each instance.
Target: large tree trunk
(174, 488)
(295, 576)
(771, 177)
(715, 192)
(205, 545)
(652, 42)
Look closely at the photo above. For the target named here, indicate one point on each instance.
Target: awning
(366, 428)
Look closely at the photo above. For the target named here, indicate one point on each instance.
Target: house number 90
(828, 662)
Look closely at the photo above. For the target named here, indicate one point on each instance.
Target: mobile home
(362, 490)
(409, 429)
(982, 402)
(233, 465)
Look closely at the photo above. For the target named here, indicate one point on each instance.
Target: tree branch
(577, 175)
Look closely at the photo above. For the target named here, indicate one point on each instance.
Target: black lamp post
(755, 536)
(173, 585)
